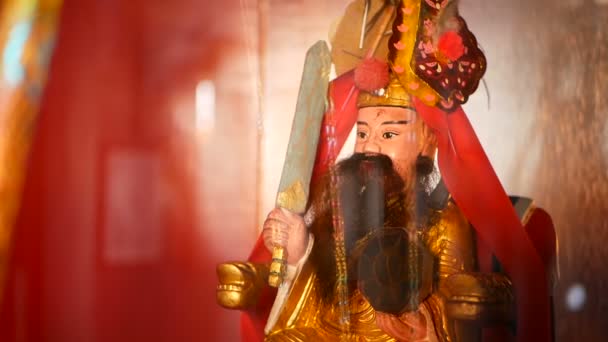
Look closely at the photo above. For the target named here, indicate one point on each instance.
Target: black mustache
(365, 162)
(424, 165)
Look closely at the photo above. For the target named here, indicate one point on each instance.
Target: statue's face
(395, 132)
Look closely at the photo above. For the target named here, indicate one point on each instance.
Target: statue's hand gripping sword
(301, 151)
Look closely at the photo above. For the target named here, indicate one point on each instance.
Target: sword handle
(278, 266)
(292, 198)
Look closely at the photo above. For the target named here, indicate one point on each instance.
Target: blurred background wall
(163, 130)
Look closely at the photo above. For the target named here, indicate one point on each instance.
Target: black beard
(372, 195)
(367, 184)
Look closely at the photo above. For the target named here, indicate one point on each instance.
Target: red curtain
(109, 243)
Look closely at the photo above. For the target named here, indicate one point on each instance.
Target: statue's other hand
(410, 326)
(286, 229)
(240, 284)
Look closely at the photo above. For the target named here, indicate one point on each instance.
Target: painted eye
(389, 135)
(361, 135)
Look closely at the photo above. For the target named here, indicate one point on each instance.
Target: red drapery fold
(473, 184)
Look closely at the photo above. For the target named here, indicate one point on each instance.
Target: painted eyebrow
(400, 122)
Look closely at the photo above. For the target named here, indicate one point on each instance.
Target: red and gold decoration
(434, 54)
(27, 36)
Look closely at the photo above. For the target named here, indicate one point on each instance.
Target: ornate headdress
(432, 54)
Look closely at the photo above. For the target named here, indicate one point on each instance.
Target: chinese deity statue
(392, 248)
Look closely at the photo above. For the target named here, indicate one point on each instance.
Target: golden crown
(393, 95)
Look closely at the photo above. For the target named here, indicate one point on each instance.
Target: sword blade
(301, 150)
